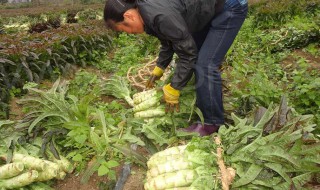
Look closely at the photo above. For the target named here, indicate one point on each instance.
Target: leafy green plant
(313, 49)
(271, 14)
(260, 71)
(304, 88)
(83, 83)
(89, 130)
(129, 50)
(277, 142)
(41, 56)
(88, 14)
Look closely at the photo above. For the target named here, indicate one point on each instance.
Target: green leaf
(250, 175)
(96, 140)
(112, 163)
(104, 124)
(43, 116)
(279, 169)
(266, 117)
(3, 60)
(301, 180)
(73, 125)
(5, 122)
(237, 120)
(77, 158)
(90, 170)
(112, 175)
(192, 108)
(268, 182)
(152, 132)
(138, 158)
(311, 149)
(103, 170)
(80, 139)
(277, 152)
(200, 115)
(132, 138)
(260, 141)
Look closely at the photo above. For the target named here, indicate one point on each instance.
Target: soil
(72, 182)
(290, 62)
(15, 110)
(314, 61)
(135, 180)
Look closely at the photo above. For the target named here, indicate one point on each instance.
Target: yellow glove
(156, 75)
(171, 97)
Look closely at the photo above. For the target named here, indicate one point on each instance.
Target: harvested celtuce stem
(170, 166)
(47, 175)
(169, 151)
(157, 112)
(143, 93)
(30, 161)
(180, 178)
(20, 180)
(162, 159)
(64, 164)
(143, 96)
(61, 175)
(147, 104)
(52, 165)
(129, 100)
(11, 170)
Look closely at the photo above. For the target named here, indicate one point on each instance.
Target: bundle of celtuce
(147, 104)
(27, 169)
(182, 167)
(154, 122)
(276, 150)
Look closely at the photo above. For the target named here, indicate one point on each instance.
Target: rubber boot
(208, 129)
(202, 130)
(192, 128)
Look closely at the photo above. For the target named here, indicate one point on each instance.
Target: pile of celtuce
(147, 104)
(25, 169)
(275, 150)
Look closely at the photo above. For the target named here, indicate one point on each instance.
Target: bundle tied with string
(190, 167)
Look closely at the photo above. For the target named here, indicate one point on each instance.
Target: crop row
(37, 11)
(35, 57)
(274, 13)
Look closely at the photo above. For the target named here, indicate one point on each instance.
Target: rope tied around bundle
(138, 76)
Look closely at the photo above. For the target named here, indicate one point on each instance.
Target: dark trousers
(213, 43)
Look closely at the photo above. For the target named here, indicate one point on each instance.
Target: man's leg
(220, 36)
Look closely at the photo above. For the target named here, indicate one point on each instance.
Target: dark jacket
(173, 22)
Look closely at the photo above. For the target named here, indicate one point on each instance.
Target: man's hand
(171, 97)
(156, 75)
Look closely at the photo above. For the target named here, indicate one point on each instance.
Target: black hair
(114, 10)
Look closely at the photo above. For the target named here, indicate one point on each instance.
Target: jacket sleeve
(165, 54)
(174, 29)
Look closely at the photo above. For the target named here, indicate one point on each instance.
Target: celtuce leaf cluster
(274, 150)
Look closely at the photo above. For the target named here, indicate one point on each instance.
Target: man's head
(123, 16)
